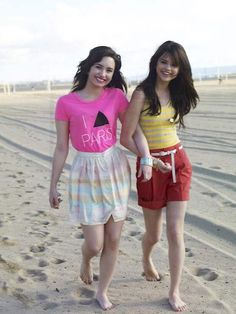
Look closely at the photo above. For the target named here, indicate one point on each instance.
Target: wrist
(146, 161)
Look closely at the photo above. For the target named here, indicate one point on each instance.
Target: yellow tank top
(160, 130)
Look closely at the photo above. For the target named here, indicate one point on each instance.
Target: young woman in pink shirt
(99, 181)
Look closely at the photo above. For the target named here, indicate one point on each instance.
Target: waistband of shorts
(176, 147)
(107, 152)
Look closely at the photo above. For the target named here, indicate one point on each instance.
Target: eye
(98, 66)
(163, 61)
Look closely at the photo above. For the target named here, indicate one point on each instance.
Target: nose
(168, 66)
(103, 72)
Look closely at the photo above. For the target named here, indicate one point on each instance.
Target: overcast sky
(46, 39)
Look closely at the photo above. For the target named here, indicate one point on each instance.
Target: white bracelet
(146, 161)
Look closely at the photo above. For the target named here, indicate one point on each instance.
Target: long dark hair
(182, 92)
(95, 55)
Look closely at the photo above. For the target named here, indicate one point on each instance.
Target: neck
(162, 86)
(163, 93)
(90, 92)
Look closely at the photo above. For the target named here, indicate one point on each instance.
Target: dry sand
(40, 250)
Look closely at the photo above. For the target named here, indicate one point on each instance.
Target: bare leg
(153, 225)
(108, 261)
(93, 243)
(175, 214)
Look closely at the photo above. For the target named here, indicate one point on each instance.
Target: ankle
(174, 293)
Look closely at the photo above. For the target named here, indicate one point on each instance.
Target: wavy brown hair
(183, 95)
(95, 55)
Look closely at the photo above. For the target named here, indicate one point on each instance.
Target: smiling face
(166, 68)
(100, 74)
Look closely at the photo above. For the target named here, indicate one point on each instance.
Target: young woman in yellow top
(158, 105)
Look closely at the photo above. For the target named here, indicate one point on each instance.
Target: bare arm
(132, 136)
(59, 158)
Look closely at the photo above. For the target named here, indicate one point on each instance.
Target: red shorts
(160, 189)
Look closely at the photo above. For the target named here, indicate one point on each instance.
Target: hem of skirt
(74, 220)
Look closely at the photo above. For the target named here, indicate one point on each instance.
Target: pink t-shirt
(92, 124)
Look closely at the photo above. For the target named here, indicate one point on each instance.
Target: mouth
(100, 79)
(166, 73)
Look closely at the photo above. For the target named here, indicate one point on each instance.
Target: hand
(163, 167)
(146, 171)
(54, 198)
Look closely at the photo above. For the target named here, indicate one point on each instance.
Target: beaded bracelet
(146, 161)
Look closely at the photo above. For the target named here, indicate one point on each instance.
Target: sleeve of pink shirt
(60, 112)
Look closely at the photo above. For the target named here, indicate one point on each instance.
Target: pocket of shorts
(185, 163)
(144, 189)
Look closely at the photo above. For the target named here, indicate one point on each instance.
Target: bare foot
(104, 302)
(150, 271)
(86, 273)
(177, 304)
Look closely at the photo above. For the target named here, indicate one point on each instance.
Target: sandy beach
(40, 250)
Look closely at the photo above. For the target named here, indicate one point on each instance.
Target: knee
(112, 242)
(175, 236)
(152, 238)
(94, 248)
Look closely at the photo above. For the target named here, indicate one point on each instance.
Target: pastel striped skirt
(99, 187)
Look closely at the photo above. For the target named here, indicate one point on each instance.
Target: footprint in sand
(26, 203)
(79, 235)
(41, 297)
(57, 261)
(6, 241)
(21, 181)
(230, 204)
(50, 306)
(41, 186)
(206, 273)
(21, 279)
(54, 239)
(37, 248)
(26, 256)
(11, 217)
(136, 234)
(188, 252)
(211, 194)
(40, 234)
(45, 223)
(17, 293)
(85, 295)
(12, 176)
(43, 263)
(131, 220)
(8, 266)
(35, 274)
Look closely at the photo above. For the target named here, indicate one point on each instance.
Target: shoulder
(115, 91)
(139, 93)
(138, 99)
(65, 98)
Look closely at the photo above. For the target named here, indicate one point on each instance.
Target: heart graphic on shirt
(101, 119)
